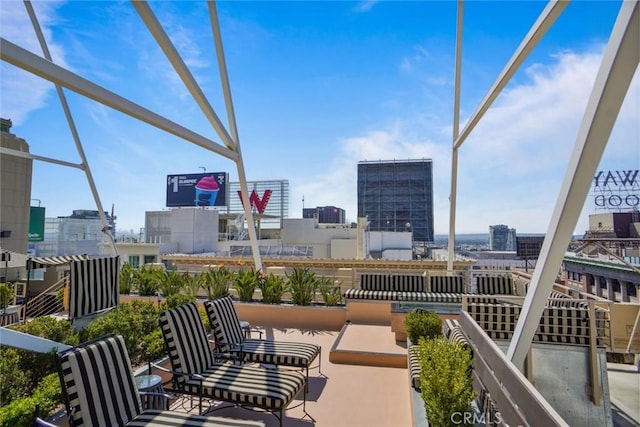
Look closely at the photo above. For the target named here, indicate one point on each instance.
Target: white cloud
(365, 6)
(510, 169)
(21, 91)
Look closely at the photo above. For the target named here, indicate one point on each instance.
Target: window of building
(134, 261)
(149, 259)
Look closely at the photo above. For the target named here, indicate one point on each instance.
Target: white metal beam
(226, 89)
(25, 155)
(181, 69)
(456, 130)
(617, 68)
(74, 131)
(546, 19)
(39, 66)
(15, 339)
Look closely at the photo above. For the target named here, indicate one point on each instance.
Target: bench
(408, 288)
(495, 285)
(562, 325)
(387, 287)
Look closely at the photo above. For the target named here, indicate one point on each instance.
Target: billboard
(36, 224)
(197, 189)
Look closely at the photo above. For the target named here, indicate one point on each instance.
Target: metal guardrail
(518, 400)
(46, 302)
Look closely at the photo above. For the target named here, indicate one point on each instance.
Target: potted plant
(216, 281)
(272, 288)
(303, 285)
(446, 385)
(331, 294)
(245, 283)
(420, 323)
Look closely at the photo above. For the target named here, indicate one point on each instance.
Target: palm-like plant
(331, 294)
(216, 282)
(303, 285)
(245, 283)
(171, 282)
(272, 288)
(126, 278)
(146, 280)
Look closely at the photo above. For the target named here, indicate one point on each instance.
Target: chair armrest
(258, 331)
(156, 394)
(182, 374)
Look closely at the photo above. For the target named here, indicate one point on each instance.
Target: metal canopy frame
(61, 77)
(617, 68)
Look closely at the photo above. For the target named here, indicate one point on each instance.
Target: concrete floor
(343, 395)
(624, 389)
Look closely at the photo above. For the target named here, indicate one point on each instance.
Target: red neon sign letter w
(256, 202)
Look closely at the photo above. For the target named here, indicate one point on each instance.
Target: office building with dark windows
(397, 195)
(325, 214)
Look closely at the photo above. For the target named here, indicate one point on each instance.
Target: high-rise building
(397, 195)
(15, 190)
(502, 238)
(79, 233)
(325, 214)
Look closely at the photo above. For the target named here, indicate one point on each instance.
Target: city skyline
(369, 81)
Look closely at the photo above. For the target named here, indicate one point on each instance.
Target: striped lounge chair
(196, 371)
(100, 390)
(230, 338)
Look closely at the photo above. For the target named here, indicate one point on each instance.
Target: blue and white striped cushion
(430, 297)
(371, 295)
(99, 371)
(189, 353)
(224, 323)
(447, 284)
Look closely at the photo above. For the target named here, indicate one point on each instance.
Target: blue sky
(317, 87)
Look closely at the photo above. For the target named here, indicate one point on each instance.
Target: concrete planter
(292, 316)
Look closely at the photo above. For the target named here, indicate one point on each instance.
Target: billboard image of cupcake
(206, 191)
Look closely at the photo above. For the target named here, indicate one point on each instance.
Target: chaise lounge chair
(99, 389)
(196, 371)
(230, 338)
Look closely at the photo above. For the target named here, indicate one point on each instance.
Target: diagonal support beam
(150, 20)
(39, 66)
(538, 30)
(73, 129)
(618, 66)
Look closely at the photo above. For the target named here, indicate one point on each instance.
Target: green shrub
(126, 278)
(20, 412)
(245, 283)
(6, 294)
(14, 382)
(133, 321)
(38, 365)
(216, 282)
(420, 323)
(303, 285)
(331, 294)
(176, 300)
(445, 381)
(273, 288)
(152, 346)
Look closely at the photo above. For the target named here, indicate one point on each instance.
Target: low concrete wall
(292, 316)
(376, 313)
